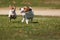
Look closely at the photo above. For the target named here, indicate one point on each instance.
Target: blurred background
(34, 3)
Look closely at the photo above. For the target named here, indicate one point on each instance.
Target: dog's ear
(26, 9)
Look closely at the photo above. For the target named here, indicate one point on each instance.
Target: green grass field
(42, 28)
(34, 3)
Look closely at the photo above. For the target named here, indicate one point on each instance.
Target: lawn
(55, 4)
(42, 28)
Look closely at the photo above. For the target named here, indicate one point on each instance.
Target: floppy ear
(26, 9)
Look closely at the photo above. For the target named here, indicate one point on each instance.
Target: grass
(54, 4)
(42, 28)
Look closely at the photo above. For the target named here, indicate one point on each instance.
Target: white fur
(10, 13)
(22, 9)
(28, 14)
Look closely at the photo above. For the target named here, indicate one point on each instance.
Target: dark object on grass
(35, 22)
(12, 17)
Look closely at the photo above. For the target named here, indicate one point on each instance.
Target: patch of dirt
(37, 11)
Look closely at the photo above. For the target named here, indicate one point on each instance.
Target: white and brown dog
(12, 13)
(28, 14)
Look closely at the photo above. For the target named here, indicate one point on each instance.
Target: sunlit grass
(54, 4)
(42, 28)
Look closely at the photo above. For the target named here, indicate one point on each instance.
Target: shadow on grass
(16, 21)
(35, 22)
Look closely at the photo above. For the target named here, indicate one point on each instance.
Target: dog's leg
(23, 19)
(27, 21)
(9, 19)
(31, 19)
